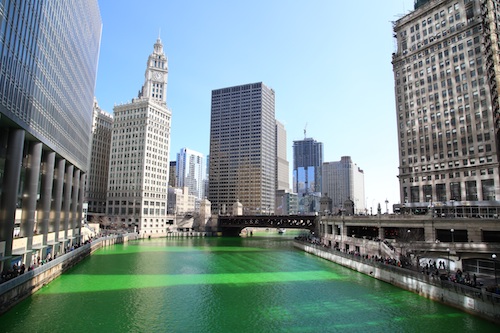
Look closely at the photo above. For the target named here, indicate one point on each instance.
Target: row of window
(454, 191)
(451, 175)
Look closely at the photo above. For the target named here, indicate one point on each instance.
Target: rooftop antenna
(305, 130)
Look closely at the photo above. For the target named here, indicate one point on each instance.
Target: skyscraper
(140, 144)
(190, 172)
(282, 166)
(446, 83)
(307, 162)
(49, 53)
(344, 180)
(285, 200)
(243, 149)
(97, 179)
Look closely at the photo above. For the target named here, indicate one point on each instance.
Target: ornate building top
(155, 77)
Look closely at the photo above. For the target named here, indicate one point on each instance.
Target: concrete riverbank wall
(475, 301)
(24, 285)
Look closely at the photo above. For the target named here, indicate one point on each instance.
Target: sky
(328, 61)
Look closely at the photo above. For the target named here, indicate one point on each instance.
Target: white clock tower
(140, 147)
(155, 83)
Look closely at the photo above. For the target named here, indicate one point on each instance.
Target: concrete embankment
(24, 285)
(475, 301)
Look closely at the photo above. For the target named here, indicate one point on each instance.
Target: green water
(258, 284)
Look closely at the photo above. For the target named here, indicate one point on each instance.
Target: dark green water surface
(257, 284)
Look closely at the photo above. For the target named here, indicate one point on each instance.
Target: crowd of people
(19, 268)
(434, 269)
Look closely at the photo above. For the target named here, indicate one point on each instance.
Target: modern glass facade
(190, 171)
(49, 52)
(307, 162)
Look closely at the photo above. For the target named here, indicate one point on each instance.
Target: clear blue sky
(329, 63)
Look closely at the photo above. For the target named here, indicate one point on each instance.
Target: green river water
(254, 284)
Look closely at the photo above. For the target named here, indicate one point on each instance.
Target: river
(253, 284)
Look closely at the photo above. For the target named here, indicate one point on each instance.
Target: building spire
(155, 77)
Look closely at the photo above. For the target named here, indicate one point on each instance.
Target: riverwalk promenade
(24, 284)
(473, 300)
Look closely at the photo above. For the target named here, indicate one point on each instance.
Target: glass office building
(49, 52)
(307, 162)
(190, 172)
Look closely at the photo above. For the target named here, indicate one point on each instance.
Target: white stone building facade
(140, 146)
(97, 178)
(446, 69)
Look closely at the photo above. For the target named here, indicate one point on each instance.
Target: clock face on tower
(157, 75)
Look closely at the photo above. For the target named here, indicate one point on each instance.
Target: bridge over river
(232, 225)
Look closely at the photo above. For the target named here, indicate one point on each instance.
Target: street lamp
(453, 206)
(494, 256)
(448, 261)
(409, 249)
(452, 236)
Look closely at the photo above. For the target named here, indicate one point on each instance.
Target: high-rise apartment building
(446, 71)
(140, 144)
(97, 176)
(341, 181)
(49, 52)
(190, 172)
(243, 149)
(307, 162)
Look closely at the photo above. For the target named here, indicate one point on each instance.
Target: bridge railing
(269, 221)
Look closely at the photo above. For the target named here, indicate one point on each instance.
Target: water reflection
(254, 284)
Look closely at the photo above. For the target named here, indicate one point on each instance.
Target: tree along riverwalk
(476, 301)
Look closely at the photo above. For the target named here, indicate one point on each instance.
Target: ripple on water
(225, 285)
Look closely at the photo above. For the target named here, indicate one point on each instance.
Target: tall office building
(307, 162)
(282, 165)
(97, 177)
(285, 202)
(140, 144)
(341, 181)
(190, 172)
(446, 71)
(242, 149)
(49, 52)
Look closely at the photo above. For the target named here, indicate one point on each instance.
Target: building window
(441, 192)
(455, 191)
(414, 194)
(471, 190)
